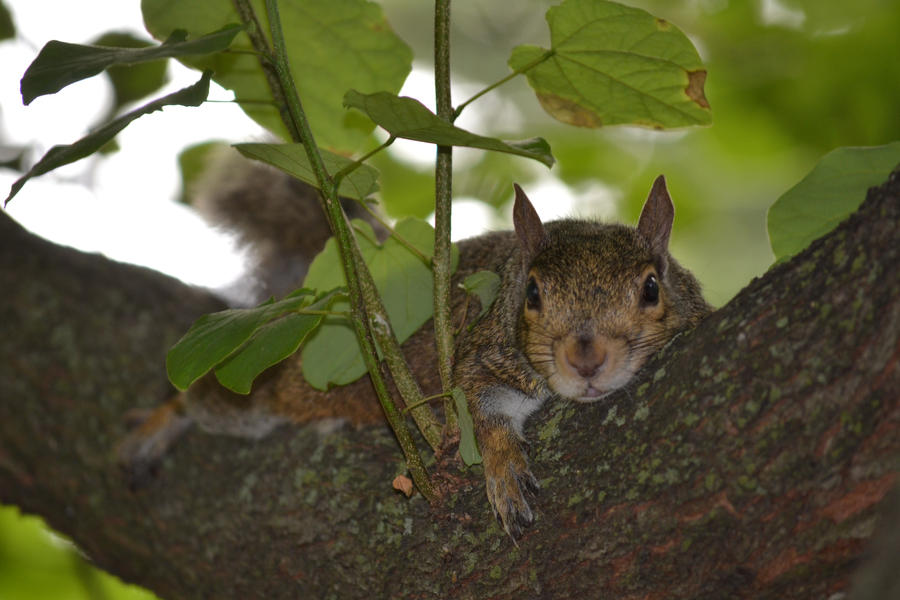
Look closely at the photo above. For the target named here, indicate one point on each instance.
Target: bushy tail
(276, 217)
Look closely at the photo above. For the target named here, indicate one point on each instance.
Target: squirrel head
(598, 299)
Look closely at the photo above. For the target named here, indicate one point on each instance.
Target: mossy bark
(753, 458)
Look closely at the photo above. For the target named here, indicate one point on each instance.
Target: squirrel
(580, 307)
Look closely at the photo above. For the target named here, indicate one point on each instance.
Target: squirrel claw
(508, 488)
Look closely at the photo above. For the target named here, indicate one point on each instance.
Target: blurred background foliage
(788, 81)
(35, 563)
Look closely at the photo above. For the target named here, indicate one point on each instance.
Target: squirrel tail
(277, 218)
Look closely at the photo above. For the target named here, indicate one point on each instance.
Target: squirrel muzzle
(586, 367)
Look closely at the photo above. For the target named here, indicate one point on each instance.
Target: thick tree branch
(751, 459)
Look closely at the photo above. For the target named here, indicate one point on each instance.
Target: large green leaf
(404, 280)
(58, 156)
(408, 118)
(291, 158)
(612, 64)
(333, 45)
(59, 63)
(270, 344)
(827, 195)
(244, 341)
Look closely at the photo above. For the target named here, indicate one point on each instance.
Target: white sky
(124, 205)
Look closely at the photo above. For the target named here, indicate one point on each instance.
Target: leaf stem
(324, 313)
(393, 233)
(425, 400)
(241, 51)
(545, 56)
(237, 101)
(358, 162)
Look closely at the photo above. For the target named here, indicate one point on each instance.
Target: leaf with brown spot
(569, 112)
(694, 90)
(612, 64)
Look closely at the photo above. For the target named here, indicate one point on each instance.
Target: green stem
(393, 233)
(241, 51)
(443, 174)
(403, 378)
(425, 400)
(546, 55)
(236, 101)
(324, 313)
(339, 176)
(375, 320)
(368, 317)
(258, 38)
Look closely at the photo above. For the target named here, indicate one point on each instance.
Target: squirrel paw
(509, 484)
(152, 433)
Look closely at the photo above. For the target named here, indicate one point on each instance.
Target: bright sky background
(124, 205)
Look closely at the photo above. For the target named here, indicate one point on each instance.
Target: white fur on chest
(506, 402)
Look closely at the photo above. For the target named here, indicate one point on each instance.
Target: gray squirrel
(580, 308)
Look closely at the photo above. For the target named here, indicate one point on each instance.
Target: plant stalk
(258, 38)
(443, 174)
(357, 276)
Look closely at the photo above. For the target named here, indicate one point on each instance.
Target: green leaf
(406, 190)
(7, 27)
(485, 285)
(291, 158)
(612, 64)
(269, 345)
(60, 63)
(272, 343)
(468, 447)
(131, 82)
(58, 156)
(333, 45)
(193, 163)
(242, 334)
(408, 118)
(13, 157)
(214, 337)
(332, 356)
(835, 188)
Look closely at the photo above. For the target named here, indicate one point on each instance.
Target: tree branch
(750, 459)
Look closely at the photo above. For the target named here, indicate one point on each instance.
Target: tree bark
(752, 458)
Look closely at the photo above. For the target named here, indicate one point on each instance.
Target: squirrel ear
(528, 225)
(655, 223)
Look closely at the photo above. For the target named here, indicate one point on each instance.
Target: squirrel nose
(585, 355)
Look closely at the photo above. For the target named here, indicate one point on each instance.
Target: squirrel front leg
(500, 412)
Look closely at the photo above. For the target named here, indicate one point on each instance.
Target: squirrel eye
(650, 294)
(532, 295)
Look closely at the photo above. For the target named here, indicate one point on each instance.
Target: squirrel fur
(581, 307)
